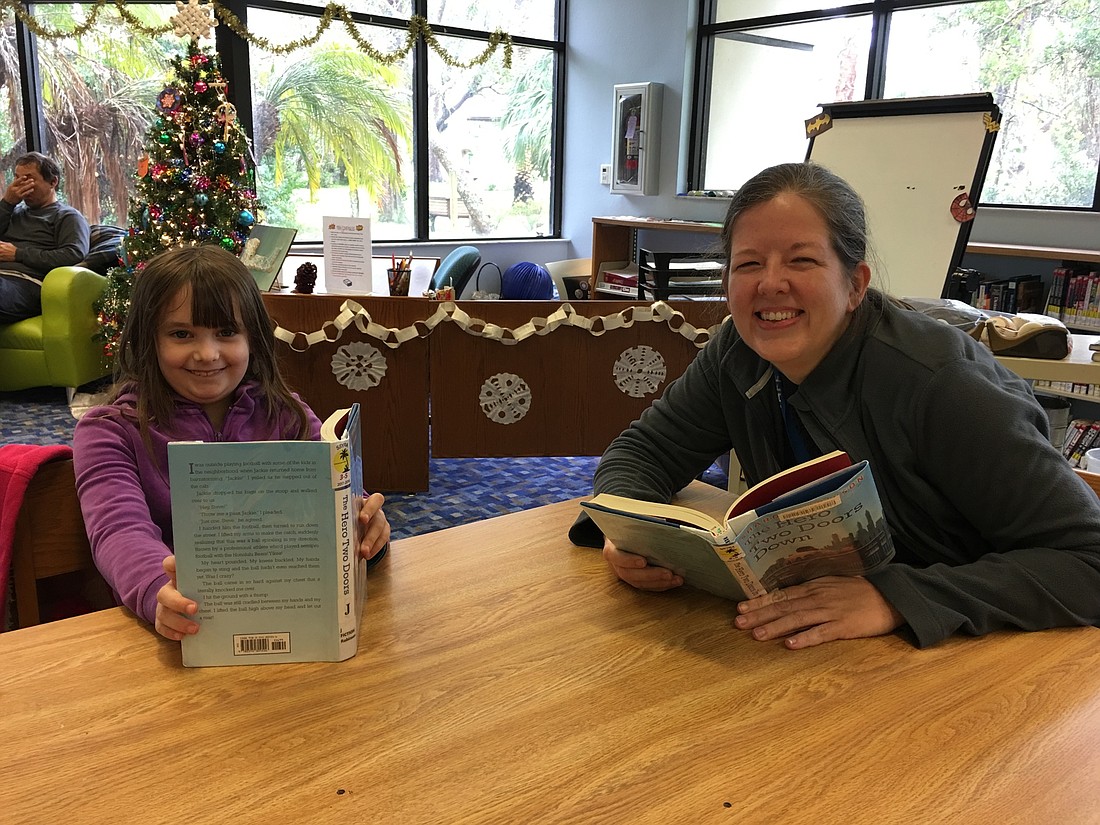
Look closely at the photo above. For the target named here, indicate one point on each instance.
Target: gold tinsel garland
(418, 27)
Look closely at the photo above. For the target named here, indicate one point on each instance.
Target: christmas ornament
(192, 20)
(168, 100)
(219, 147)
(143, 166)
(200, 86)
(228, 244)
(164, 138)
(201, 199)
(246, 218)
(197, 139)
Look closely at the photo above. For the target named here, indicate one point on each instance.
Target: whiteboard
(909, 160)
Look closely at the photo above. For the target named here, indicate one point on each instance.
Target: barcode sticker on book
(254, 643)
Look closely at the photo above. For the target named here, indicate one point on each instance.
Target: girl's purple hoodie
(123, 488)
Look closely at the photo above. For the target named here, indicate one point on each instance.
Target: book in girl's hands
(267, 542)
(820, 518)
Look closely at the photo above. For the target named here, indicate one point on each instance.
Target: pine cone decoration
(304, 278)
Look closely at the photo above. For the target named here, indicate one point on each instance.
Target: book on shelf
(820, 518)
(1088, 440)
(618, 278)
(1076, 431)
(1020, 294)
(267, 542)
(1074, 296)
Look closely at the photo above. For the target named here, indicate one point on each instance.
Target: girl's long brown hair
(221, 287)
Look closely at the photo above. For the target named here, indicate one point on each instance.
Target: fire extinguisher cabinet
(636, 156)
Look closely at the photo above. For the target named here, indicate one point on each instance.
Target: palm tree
(526, 121)
(96, 93)
(335, 105)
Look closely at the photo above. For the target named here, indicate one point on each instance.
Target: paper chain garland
(418, 27)
(565, 316)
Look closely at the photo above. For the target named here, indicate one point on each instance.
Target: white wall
(617, 41)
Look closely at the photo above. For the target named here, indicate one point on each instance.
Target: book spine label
(346, 549)
(733, 556)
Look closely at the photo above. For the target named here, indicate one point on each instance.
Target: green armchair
(60, 347)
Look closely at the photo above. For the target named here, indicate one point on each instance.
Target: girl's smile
(203, 364)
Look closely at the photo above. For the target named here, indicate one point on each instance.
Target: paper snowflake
(505, 398)
(639, 371)
(359, 366)
(192, 20)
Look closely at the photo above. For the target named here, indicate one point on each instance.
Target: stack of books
(1075, 297)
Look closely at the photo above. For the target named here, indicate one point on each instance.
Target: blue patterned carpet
(462, 489)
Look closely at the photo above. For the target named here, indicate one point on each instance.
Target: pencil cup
(399, 281)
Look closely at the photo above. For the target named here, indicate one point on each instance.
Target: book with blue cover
(820, 518)
(266, 541)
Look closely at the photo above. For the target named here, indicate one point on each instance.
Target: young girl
(196, 362)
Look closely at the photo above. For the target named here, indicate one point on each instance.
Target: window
(12, 142)
(1041, 62)
(426, 148)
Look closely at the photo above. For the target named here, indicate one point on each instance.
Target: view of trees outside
(333, 128)
(99, 91)
(1039, 60)
(11, 96)
(489, 144)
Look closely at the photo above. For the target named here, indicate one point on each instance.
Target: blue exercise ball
(526, 281)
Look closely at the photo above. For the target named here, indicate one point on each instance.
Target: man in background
(37, 234)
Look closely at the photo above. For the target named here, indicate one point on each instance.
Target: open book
(820, 518)
(267, 542)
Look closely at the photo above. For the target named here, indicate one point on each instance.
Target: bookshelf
(1077, 367)
(1046, 253)
(616, 238)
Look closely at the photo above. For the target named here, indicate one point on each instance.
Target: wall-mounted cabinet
(635, 153)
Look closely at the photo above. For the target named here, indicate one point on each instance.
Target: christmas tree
(196, 182)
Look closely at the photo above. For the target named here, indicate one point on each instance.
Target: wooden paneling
(576, 407)
(395, 413)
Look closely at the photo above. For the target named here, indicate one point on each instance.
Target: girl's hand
(821, 610)
(374, 527)
(173, 607)
(637, 572)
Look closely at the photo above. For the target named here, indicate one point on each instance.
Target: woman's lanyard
(790, 422)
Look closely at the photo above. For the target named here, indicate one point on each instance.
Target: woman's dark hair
(221, 287)
(835, 200)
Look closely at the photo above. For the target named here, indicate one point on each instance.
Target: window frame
(881, 13)
(233, 52)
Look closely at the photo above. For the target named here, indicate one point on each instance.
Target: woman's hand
(374, 527)
(820, 610)
(636, 571)
(173, 607)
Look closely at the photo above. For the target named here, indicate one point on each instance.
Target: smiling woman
(815, 361)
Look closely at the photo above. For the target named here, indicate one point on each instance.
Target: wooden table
(504, 677)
